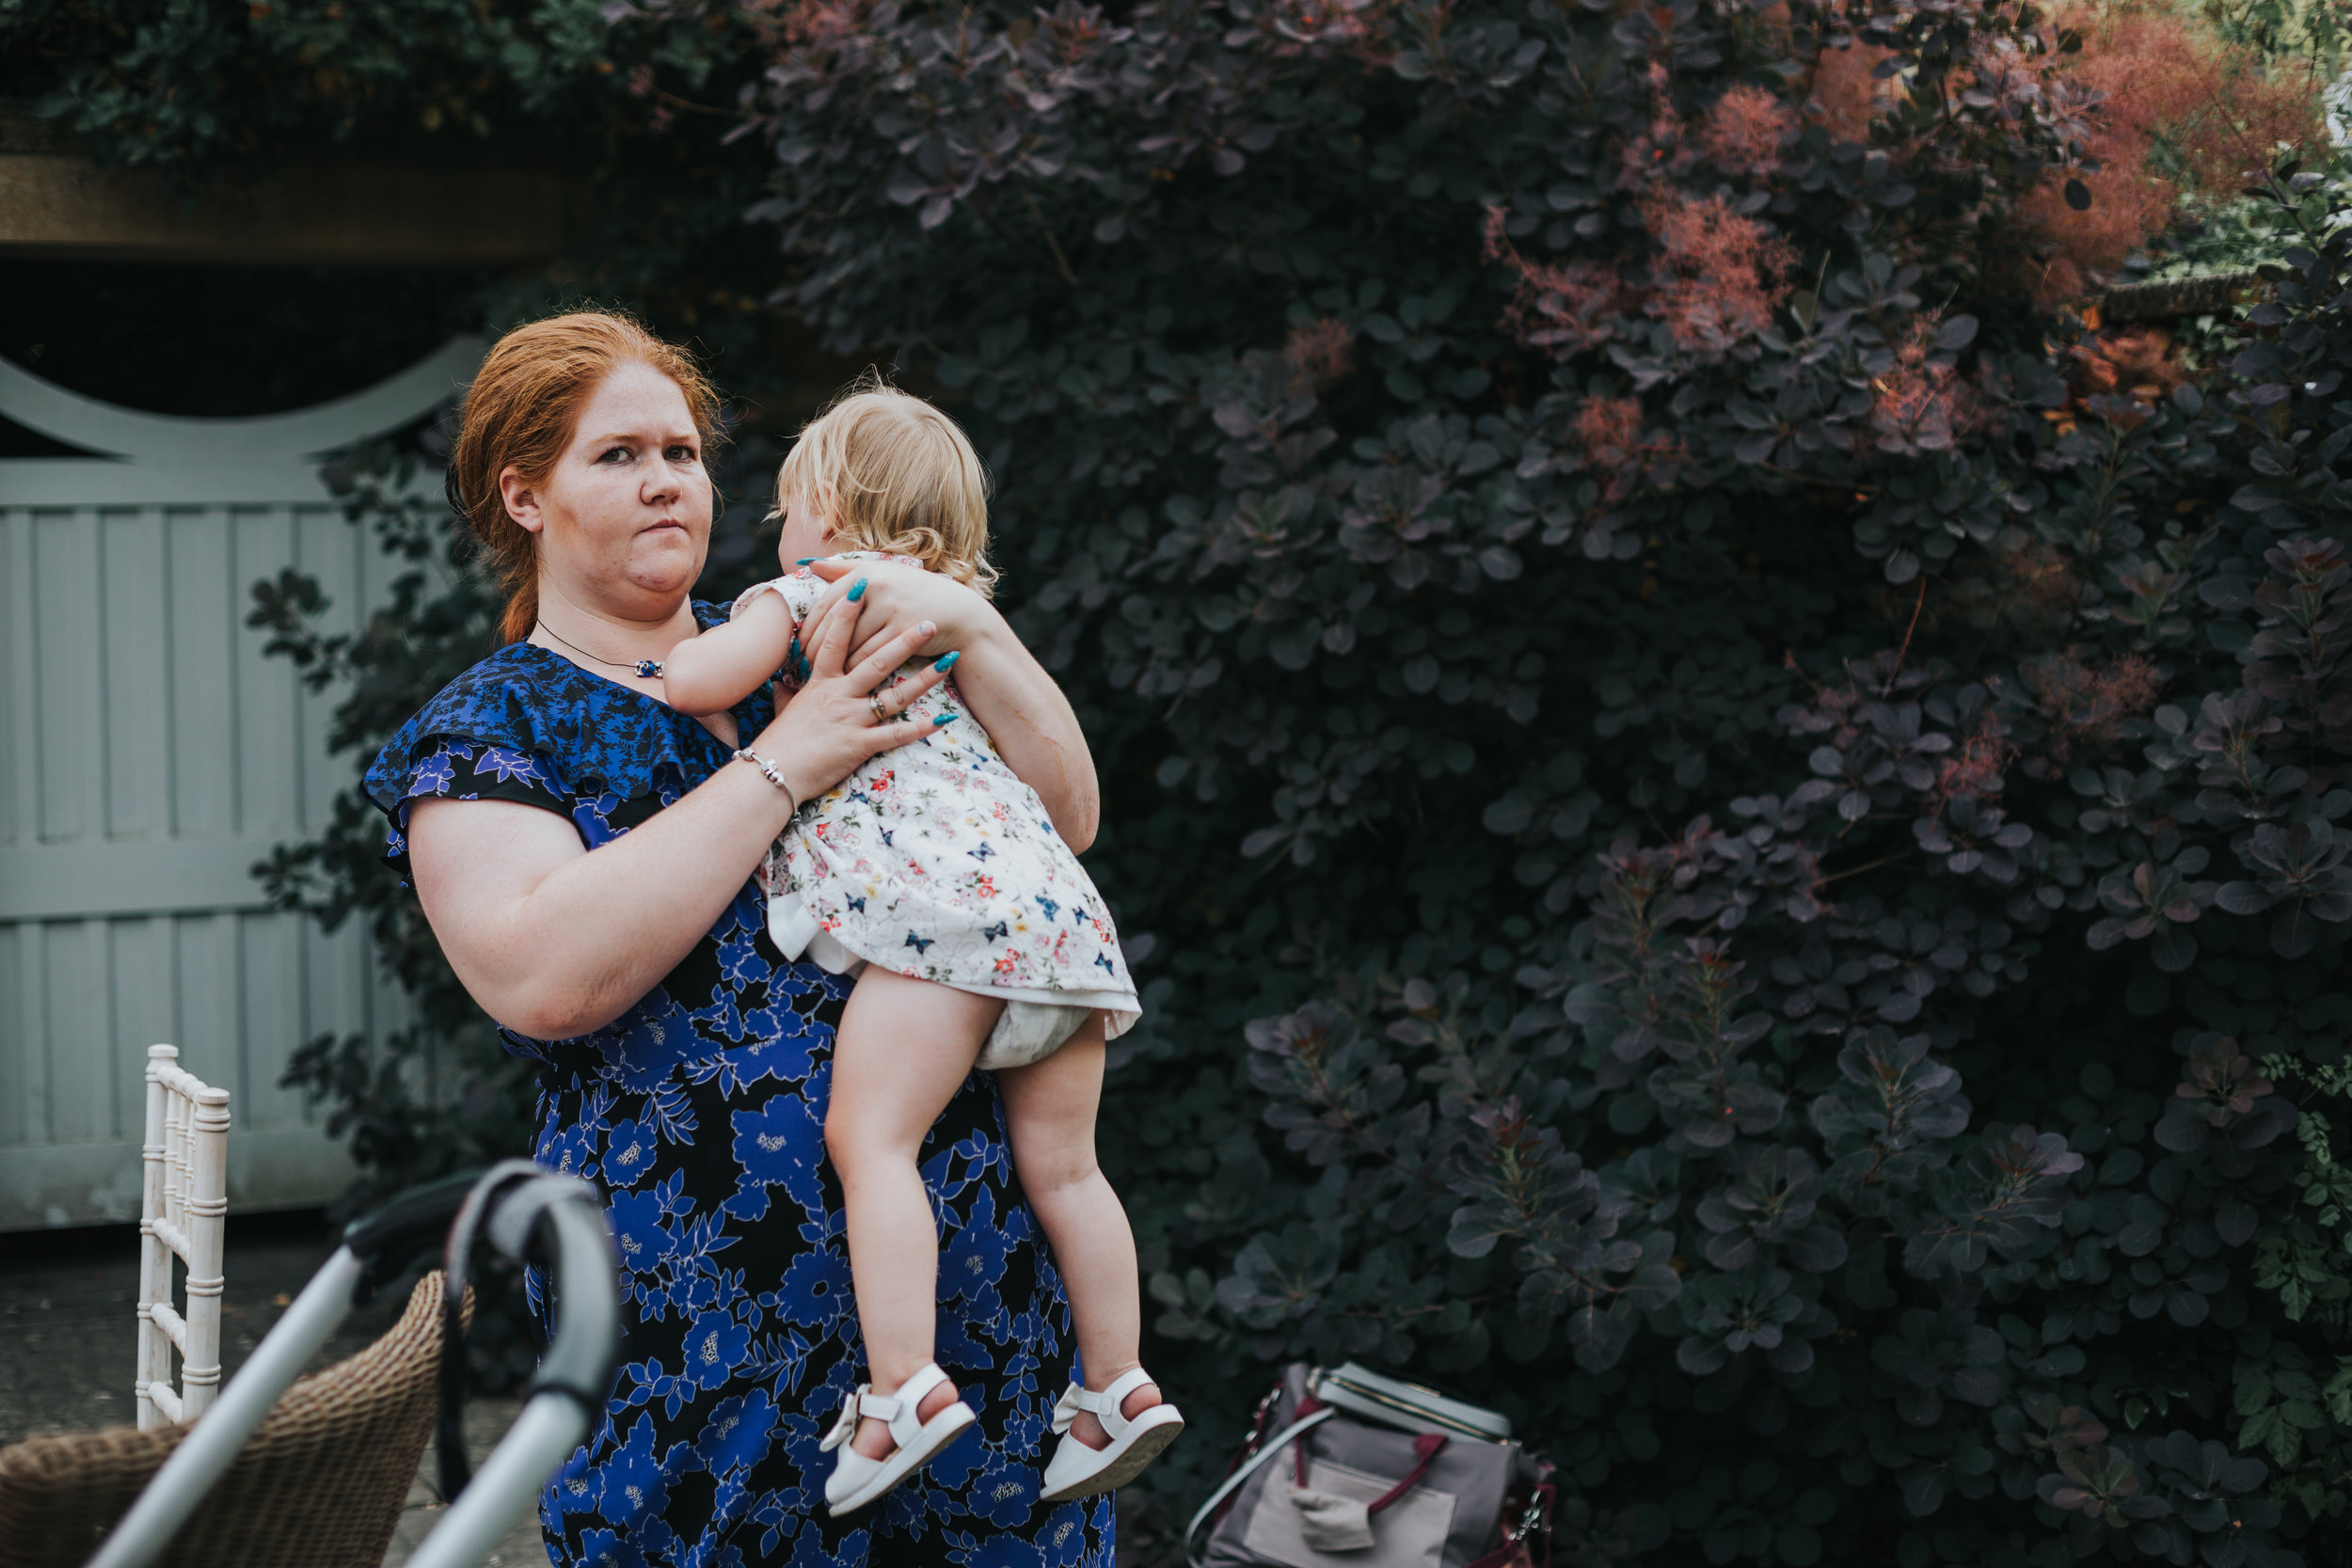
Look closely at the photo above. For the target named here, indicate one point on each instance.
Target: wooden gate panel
(199, 584)
(136, 651)
(151, 753)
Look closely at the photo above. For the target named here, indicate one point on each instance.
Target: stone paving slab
(486, 1421)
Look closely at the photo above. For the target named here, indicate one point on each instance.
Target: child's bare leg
(903, 1050)
(1049, 1113)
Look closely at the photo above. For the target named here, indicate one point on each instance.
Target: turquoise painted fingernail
(857, 590)
(947, 661)
(945, 719)
(803, 561)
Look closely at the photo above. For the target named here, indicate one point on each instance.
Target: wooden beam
(2214, 294)
(57, 206)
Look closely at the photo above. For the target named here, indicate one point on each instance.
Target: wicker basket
(320, 1485)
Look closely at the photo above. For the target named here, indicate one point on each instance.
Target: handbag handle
(1271, 1447)
(1425, 1450)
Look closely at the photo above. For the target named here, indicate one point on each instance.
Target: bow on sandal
(856, 1480)
(1079, 1471)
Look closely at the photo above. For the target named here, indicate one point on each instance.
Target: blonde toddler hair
(889, 472)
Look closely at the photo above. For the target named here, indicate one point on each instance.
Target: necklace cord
(649, 669)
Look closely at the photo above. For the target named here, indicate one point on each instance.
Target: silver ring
(875, 702)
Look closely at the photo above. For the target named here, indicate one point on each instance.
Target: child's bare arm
(724, 665)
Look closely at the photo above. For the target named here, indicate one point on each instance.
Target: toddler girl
(934, 873)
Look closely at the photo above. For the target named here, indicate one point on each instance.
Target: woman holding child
(610, 823)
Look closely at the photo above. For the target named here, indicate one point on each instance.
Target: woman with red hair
(584, 852)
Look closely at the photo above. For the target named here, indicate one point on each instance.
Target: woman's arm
(712, 673)
(554, 940)
(1009, 691)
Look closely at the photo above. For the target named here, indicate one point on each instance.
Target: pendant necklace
(647, 669)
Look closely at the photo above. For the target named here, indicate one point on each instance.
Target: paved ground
(485, 1421)
(68, 1315)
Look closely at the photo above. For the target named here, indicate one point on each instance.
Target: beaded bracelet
(768, 772)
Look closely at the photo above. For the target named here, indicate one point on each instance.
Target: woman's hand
(891, 599)
(839, 718)
(1009, 693)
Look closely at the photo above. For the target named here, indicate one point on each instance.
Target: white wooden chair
(181, 1214)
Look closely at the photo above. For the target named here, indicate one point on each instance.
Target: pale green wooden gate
(149, 756)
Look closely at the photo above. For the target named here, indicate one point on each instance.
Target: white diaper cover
(1026, 1031)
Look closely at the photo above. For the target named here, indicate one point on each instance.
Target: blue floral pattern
(699, 1112)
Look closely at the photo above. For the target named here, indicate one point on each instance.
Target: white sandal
(1079, 1471)
(856, 1480)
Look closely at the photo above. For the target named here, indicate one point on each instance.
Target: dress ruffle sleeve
(528, 725)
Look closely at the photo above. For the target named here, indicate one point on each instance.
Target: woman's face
(623, 517)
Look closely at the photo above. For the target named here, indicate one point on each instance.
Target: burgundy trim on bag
(1259, 1420)
(1425, 1450)
(1307, 1407)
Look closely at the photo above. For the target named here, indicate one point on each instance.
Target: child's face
(805, 533)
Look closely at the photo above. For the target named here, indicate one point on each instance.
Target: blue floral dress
(700, 1111)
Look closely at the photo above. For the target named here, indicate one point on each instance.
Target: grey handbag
(1351, 1470)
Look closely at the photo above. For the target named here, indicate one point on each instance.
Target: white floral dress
(934, 860)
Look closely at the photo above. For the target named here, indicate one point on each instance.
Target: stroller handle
(558, 1217)
(567, 1395)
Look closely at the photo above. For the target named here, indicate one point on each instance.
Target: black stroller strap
(450, 1430)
